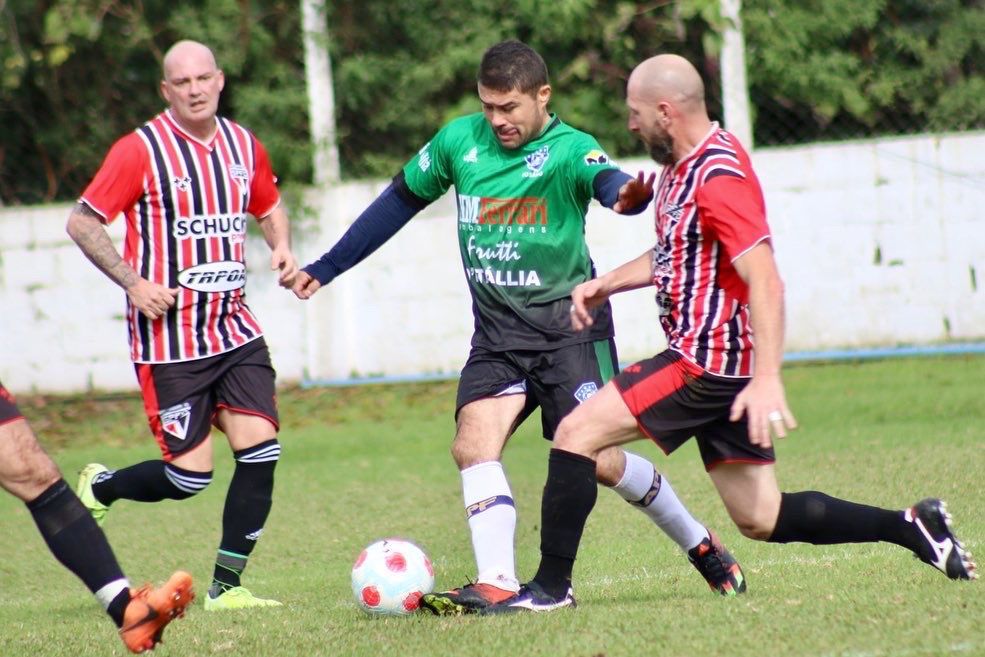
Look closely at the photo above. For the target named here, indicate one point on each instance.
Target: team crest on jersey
(536, 161)
(585, 391)
(174, 420)
(595, 156)
(181, 183)
(472, 156)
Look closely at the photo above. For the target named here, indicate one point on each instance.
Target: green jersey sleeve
(429, 173)
(587, 161)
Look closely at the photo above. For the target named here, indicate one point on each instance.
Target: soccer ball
(390, 576)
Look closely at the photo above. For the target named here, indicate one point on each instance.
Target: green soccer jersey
(521, 226)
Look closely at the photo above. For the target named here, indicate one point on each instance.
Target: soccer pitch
(369, 462)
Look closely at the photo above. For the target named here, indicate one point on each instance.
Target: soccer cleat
(236, 597)
(469, 599)
(941, 548)
(717, 566)
(86, 496)
(150, 610)
(532, 597)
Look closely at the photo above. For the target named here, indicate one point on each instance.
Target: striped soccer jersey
(186, 204)
(709, 210)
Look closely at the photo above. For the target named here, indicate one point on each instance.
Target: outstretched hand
(305, 285)
(635, 192)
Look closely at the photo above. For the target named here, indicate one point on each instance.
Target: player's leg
(178, 403)
(491, 403)
(73, 536)
(762, 512)
(571, 375)
(247, 414)
(569, 495)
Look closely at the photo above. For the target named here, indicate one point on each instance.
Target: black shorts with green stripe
(556, 380)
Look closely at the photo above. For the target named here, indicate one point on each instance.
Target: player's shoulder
(578, 146)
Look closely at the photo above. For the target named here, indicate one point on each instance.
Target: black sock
(118, 606)
(813, 517)
(150, 481)
(248, 503)
(569, 497)
(76, 541)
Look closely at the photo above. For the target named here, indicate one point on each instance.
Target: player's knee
(469, 450)
(186, 483)
(568, 438)
(755, 526)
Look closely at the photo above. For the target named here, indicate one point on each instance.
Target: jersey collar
(209, 144)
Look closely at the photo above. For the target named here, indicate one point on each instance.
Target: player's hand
(764, 404)
(151, 299)
(282, 259)
(584, 298)
(305, 285)
(635, 192)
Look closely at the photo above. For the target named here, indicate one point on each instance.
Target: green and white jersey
(521, 226)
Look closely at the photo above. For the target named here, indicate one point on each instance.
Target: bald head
(671, 79)
(187, 52)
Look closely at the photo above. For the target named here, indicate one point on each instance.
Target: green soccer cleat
(86, 496)
(236, 598)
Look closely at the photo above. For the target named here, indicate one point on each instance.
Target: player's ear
(544, 95)
(222, 79)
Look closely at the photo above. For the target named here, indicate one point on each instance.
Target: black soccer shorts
(181, 399)
(8, 407)
(673, 399)
(556, 380)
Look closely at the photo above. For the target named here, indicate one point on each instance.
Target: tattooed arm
(85, 227)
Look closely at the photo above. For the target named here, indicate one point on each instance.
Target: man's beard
(662, 150)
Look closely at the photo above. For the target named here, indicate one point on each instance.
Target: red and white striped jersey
(709, 211)
(186, 204)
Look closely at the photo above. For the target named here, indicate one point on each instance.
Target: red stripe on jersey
(709, 210)
(186, 208)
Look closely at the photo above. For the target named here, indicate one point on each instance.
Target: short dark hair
(513, 65)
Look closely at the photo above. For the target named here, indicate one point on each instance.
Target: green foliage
(842, 68)
(77, 74)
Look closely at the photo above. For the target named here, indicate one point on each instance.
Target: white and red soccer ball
(390, 576)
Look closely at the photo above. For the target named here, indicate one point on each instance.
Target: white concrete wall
(916, 202)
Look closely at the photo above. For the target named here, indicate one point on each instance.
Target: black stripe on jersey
(241, 325)
(719, 171)
(220, 181)
(237, 158)
(200, 245)
(170, 244)
(702, 353)
(143, 326)
(732, 352)
(220, 327)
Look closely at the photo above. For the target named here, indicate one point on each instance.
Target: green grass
(368, 462)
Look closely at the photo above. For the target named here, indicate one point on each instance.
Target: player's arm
(764, 395)
(277, 234)
(386, 215)
(621, 192)
(632, 275)
(85, 227)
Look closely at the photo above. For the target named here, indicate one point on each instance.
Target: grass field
(368, 462)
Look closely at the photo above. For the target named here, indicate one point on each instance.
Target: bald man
(186, 182)
(717, 285)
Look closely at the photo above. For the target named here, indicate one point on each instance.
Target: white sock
(643, 487)
(492, 520)
(108, 592)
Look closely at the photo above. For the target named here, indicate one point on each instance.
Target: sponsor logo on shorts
(585, 391)
(222, 276)
(174, 420)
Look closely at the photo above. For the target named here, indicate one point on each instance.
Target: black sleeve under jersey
(390, 212)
